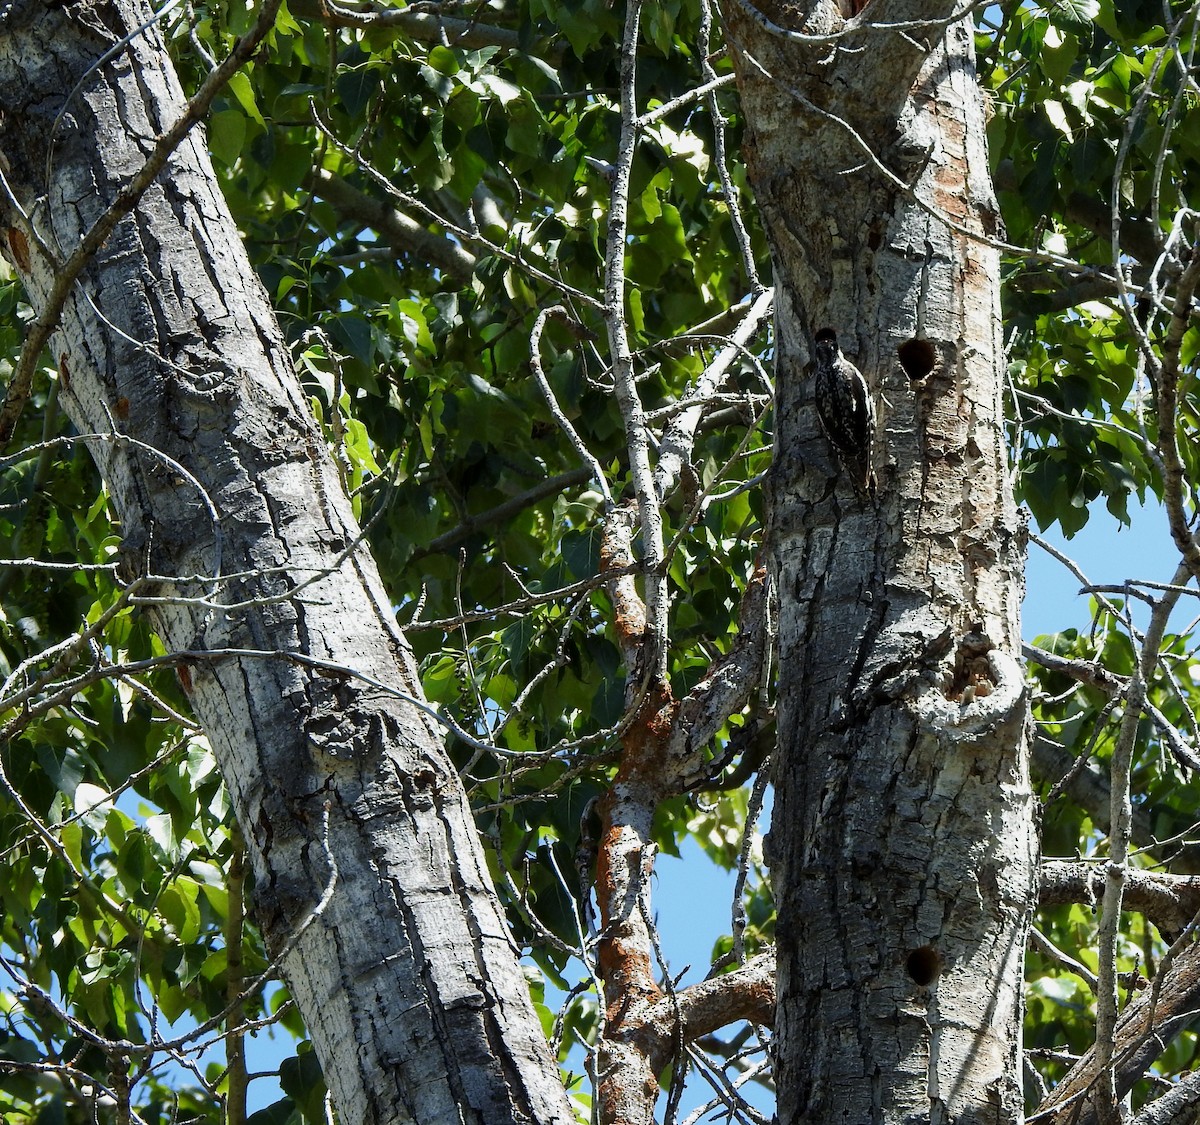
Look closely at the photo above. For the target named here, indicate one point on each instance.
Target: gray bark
(168, 350)
(903, 840)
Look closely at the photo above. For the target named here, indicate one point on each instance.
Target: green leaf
(440, 680)
(282, 1112)
(444, 60)
(239, 85)
(227, 135)
(581, 552)
(301, 1079)
(93, 803)
(1058, 117)
(499, 88)
(161, 832)
(1074, 13)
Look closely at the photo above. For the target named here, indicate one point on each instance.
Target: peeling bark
(661, 755)
(367, 866)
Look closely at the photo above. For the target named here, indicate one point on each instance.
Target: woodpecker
(845, 410)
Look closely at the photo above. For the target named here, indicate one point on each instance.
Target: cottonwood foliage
(415, 187)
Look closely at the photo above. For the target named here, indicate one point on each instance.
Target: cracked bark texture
(903, 839)
(168, 349)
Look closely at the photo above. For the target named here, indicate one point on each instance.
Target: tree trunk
(903, 842)
(367, 867)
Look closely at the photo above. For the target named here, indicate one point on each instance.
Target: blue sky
(1107, 553)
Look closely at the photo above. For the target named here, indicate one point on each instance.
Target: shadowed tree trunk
(903, 842)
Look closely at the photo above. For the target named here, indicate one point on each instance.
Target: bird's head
(826, 346)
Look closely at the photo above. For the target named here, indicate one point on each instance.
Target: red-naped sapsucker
(846, 411)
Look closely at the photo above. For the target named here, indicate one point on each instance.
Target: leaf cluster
(1093, 139)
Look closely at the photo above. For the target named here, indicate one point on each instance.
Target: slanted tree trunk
(903, 841)
(367, 866)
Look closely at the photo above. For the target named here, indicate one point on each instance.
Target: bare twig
(1118, 854)
(556, 411)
